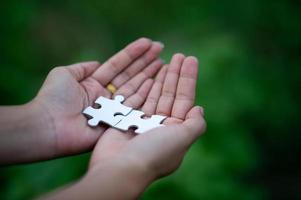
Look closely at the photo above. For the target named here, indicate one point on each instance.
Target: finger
(132, 85)
(181, 136)
(93, 89)
(143, 61)
(170, 85)
(195, 123)
(121, 60)
(83, 69)
(136, 100)
(150, 105)
(185, 94)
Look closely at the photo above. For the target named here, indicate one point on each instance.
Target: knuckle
(114, 65)
(130, 88)
(182, 95)
(127, 55)
(162, 112)
(126, 75)
(143, 61)
(168, 93)
(152, 100)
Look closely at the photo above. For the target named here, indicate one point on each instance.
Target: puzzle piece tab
(110, 112)
(133, 119)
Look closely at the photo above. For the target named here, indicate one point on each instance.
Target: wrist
(123, 174)
(40, 127)
(25, 134)
(42, 117)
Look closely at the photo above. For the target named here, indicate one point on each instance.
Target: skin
(52, 124)
(129, 163)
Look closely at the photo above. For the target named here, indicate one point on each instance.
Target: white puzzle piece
(133, 119)
(109, 113)
(119, 116)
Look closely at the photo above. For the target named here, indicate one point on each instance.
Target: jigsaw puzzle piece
(90, 111)
(133, 119)
(109, 113)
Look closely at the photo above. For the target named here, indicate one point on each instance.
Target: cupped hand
(69, 89)
(160, 150)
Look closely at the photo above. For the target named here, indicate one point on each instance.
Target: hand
(158, 152)
(68, 90)
(123, 165)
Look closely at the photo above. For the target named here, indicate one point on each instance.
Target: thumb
(195, 122)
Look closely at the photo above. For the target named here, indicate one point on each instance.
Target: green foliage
(248, 83)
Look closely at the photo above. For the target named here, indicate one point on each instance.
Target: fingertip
(202, 111)
(195, 123)
(177, 60)
(144, 41)
(178, 56)
(157, 47)
(160, 44)
(199, 110)
(192, 60)
(176, 63)
(153, 51)
(190, 67)
(143, 38)
(139, 46)
(194, 112)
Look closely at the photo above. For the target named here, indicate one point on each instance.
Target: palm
(65, 99)
(172, 94)
(68, 90)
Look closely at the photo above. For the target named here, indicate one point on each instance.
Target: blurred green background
(249, 84)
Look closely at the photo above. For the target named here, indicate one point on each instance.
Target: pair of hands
(69, 89)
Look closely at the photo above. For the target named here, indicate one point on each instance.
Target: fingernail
(161, 44)
(202, 111)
